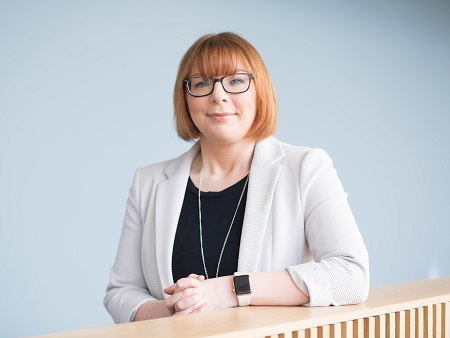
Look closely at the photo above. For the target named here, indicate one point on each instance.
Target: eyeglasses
(202, 86)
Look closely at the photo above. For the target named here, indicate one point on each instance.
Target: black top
(218, 209)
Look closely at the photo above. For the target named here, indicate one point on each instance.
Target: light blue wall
(85, 98)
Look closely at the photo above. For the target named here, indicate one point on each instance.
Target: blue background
(86, 98)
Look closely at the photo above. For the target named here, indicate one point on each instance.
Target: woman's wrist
(219, 292)
(232, 298)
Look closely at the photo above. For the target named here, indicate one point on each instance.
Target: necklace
(201, 228)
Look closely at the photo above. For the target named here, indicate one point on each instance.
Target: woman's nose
(218, 94)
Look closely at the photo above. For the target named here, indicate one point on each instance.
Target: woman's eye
(236, 81)
(201, 84)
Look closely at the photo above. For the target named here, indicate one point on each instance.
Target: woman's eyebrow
(238, 70)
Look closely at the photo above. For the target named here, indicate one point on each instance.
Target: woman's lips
(220, 116)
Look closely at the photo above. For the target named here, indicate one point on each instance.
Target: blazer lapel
(169, 200)
(264, 172)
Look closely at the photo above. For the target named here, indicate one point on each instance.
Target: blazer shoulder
(160, 171)
(148, 176)
(301, 156)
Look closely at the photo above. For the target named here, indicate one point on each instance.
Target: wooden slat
(420, 323)
(324, 331)
(312, 333)
(369, 327)
(380, 326)
(390, 325)
(336, 330)
(437, 329)
(299, 334)
(428, 321)
(446, 319)
(400, 324)
(358, 328)
(410, 323)
(287, 335)
(347, 329)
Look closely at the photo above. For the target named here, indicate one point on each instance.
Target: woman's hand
(218, 293)
(185, 296)
(195, 294)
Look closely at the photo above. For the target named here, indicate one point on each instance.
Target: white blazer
(296, 218)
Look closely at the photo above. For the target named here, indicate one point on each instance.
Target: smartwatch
(241, 287)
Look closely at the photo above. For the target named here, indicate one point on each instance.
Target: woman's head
(215, 55)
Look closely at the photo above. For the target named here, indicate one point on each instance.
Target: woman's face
(221, 117)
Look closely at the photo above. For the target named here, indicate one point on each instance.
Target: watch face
(242, 285)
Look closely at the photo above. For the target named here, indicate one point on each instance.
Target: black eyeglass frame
(220, 79)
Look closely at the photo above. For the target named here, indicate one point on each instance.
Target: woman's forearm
(275, 288)
(151, 310)
(268, 288)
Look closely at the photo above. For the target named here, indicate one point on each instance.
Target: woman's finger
(195, 308)
(189, 298)
(170, 290)
(182, 300)
(198, 277)
(182, 284)
(201, 308)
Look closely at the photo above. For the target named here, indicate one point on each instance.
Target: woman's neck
(221, 166)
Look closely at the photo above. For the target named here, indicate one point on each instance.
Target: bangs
(216, 57)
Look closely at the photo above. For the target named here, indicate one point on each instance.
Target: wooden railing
(418, 309)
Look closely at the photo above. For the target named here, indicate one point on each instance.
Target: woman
(238, 200)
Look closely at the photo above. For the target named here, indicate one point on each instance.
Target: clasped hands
(195, 294)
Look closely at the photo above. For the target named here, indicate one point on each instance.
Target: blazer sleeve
(339, 274)
(127, 289)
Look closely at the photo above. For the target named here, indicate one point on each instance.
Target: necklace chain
(201, 228)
